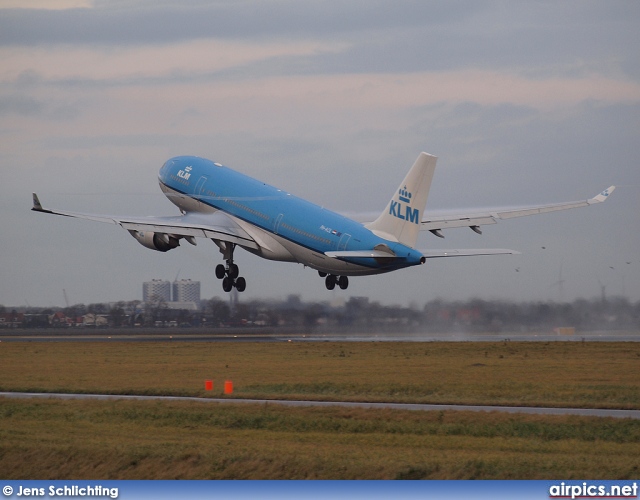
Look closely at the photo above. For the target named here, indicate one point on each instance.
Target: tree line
(357, 313)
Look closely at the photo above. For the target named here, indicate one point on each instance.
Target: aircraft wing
(475, 220)
(216, 226)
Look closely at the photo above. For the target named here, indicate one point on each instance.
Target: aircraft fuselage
(288, 228)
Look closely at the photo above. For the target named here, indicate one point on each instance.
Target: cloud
(417, 89)
(140, 22)
(370, 101)
(21, 105)
(45, 4)
(147, 64)
(331, 101)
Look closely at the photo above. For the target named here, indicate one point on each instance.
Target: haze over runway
(522, 103)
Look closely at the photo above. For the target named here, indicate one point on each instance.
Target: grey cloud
(489, 155)
(384, 36)
(24, 105)
(149, 23)
(21, 105)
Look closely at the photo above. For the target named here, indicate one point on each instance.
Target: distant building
(11, 320)
(186, 291)
(156, 290)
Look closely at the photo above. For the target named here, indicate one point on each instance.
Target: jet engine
(161, 242)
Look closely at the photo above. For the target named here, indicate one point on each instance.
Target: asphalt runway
(140, 338)
(268, 335)
(588, 412)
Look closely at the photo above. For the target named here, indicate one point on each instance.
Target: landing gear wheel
(330, 282)
(343, 282)
(233, 271)
(220, 271)
(322, 274)
(229, 273)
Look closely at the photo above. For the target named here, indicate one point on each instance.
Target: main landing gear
(229, 273)
(332, 280)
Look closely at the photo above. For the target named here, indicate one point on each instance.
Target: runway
(272, 335)
(587, 412)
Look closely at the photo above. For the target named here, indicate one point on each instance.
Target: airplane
(235, 210)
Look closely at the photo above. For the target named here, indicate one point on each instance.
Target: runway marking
(587, 412)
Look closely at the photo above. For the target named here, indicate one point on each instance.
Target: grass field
(590, 375)
(42, 439)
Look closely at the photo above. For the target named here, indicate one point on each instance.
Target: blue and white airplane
(232, 210)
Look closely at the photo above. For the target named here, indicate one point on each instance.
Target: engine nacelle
(156, 241)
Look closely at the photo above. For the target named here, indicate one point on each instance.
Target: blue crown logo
(405, 195)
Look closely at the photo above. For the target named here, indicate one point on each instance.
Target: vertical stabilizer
(400, 221)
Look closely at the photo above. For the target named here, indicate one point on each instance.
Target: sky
(522, 102)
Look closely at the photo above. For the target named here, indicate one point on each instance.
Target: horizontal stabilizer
(469, 252)
(363, 254)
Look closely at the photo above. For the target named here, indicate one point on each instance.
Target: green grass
(55, 439)
(59, 439)
(593, 375)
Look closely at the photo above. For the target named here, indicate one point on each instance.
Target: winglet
(37, 206)
(602, 196)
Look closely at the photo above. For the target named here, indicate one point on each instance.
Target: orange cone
(228, 387)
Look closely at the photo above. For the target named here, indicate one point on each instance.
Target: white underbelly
(272, 246)
(321, 262)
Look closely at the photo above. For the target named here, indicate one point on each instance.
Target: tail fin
(400, 221)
